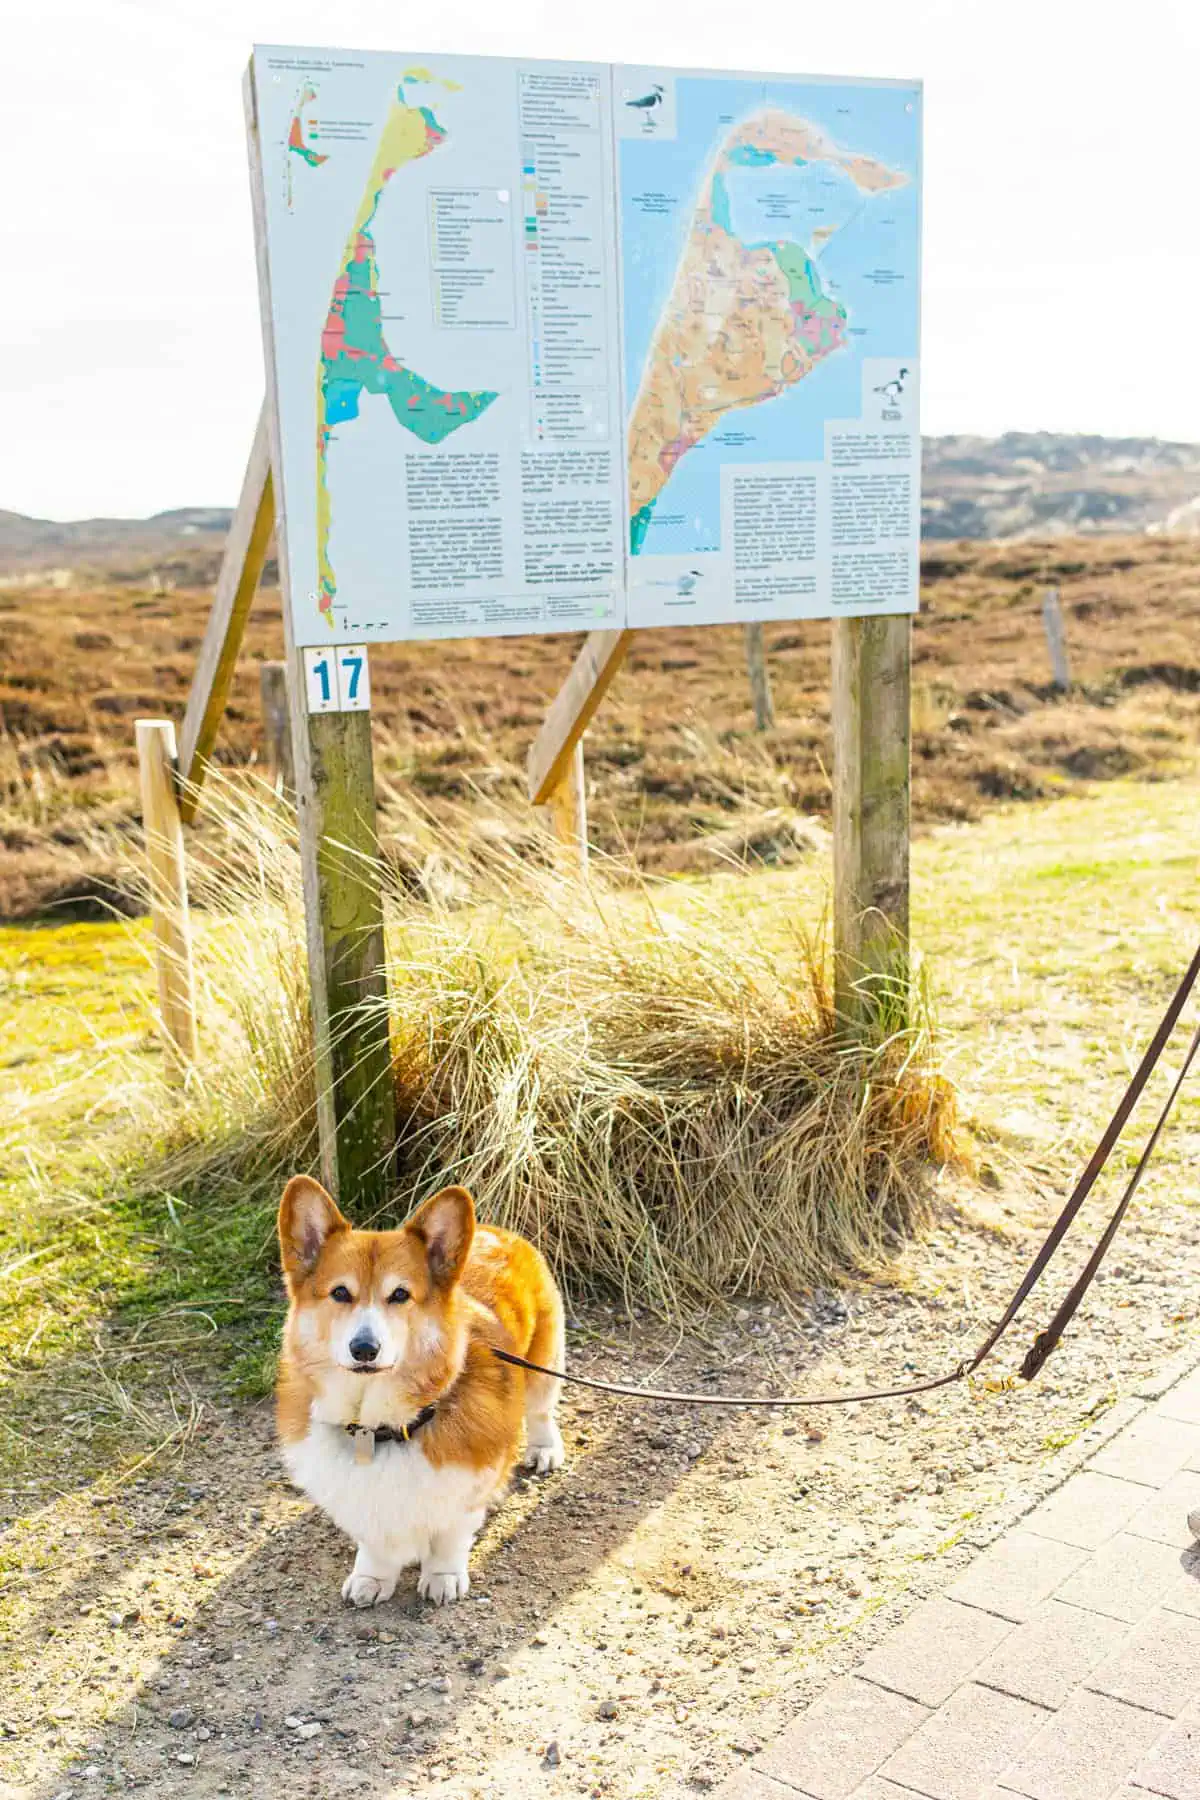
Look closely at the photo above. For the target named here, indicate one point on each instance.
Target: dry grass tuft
(665, 1108)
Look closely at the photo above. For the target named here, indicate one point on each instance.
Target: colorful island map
(355, 357)
(675, 315)
(745, 318)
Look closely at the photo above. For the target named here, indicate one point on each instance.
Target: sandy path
(638, 1622)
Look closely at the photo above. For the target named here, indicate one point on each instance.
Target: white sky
(1062, 211)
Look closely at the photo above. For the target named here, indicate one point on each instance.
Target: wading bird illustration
(892, 390)
(645, 101)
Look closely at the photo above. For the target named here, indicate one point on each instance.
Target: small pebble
(608, 1709)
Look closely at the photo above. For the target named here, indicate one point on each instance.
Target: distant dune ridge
(1024, 484)
(1039, 484)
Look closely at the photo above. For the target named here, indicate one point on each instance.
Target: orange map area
(743, 321)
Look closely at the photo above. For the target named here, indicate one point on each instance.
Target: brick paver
(879, 1789)
(842, 1738)
(1064, 1664)
(1183, 1401)
(1015, 1575)
(965, 1744)
(1184, 1595)
(752, 1783)
(1088, 1509)
(1124, 1579)
(1157, 1667)
(1084, 1750)
(1164, 1517)
(1149, 1451)
(934, 1651)
(1172, 1768)
(1052, 1653)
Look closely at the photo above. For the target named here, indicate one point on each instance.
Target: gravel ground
(641, 1621)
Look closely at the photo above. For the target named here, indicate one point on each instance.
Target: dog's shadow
(273, 1675)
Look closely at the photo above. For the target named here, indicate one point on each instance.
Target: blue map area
(865, 247)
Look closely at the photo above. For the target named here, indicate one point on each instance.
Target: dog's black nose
(364, 1349)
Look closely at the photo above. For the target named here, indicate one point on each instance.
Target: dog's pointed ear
(308, 1217)
(445, 1225)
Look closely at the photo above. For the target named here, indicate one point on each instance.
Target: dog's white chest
(397, 1500)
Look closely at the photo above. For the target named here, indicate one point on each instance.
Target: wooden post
(567, 807)
(872, 670)
(168, 892)
(277, 726)
(339, 859)
(760, 679)
(1056, 639)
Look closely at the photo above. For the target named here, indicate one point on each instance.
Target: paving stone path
(1063, 1665)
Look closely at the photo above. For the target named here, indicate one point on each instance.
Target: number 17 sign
(337, 679)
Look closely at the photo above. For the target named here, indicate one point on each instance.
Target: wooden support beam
(277, 726)
(871, 687)
(591, 676)
(241, 566)
(340, 866)
(168, 892)
(760, 678)
(567, 807)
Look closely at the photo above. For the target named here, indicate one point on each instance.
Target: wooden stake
(567, 807)
(339, 860)
(1056, 639)
(760, 678)
(872, 675)
(277, 726)
(168, 892)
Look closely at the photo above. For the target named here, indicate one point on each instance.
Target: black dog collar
(366, 1438)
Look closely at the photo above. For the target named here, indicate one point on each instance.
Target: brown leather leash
(1046, 1340)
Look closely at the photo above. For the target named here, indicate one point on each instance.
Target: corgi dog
(393, 1413)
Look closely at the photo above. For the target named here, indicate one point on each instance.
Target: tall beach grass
(614, 1069)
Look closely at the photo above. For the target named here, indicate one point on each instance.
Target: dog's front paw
(444, 1585)
(368, 1590)
(544, 1450)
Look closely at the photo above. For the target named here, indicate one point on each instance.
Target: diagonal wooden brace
(241, 566)
(592, 673)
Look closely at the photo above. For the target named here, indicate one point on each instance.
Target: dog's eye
(341, 1293)
(398, 1295)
